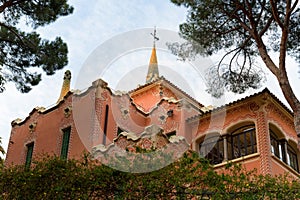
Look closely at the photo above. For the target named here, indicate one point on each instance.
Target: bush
(191, 176)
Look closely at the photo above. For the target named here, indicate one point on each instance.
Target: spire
(153, 66)
(66, 86)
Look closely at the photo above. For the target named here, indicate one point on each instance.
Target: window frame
(105, 124)
(216, 153)
(237, 143)
(65, 142)
(291, 152)
(279, 146)
(288, 154)
(170, 134)
(29, 154)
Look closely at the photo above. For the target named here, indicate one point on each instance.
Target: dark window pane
(170, 134)
(65, 143)
(105, 125)
(292, 158)
(212, 149)
(277, 146)
(119, 131)
(29, 154)
(242, 142)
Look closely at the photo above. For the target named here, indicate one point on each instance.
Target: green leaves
(241, 30)
(221, 78)
(189, 177)
(37, 13)
(22, 51)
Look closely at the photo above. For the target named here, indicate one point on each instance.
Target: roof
(41, 110)
(264, 91)
(162, 79)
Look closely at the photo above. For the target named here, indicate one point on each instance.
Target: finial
(155, 38)
(153, 73)
(66, 86)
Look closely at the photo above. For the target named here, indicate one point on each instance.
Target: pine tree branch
(266, 27)
(275, 13)
(13, 31)
(9, 4)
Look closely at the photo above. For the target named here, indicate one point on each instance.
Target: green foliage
(242, 30)
(190, 176)
(22, 51)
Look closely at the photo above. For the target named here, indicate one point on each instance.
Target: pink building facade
(256, 131)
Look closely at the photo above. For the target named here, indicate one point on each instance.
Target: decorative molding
(68, 111)
(128, 148)
(254, 107)
(263, 139)
(32, 127)
(281, 117)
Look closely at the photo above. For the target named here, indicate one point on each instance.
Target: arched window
(282, 149)
(242, 142)
(212, 148)
(277, 146)
(292, 159)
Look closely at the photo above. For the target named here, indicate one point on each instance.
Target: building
(257, 131)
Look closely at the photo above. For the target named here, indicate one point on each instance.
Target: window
(212, 149)
(283, 150)
(65, 143)
(277, 146)
(170, 134)
(29, 154)
(119, 131)
(105, 125)
(242, 142)
(292, 158)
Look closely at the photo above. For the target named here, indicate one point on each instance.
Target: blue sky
(94, 22)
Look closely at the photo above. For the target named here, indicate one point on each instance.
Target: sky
(94, 27)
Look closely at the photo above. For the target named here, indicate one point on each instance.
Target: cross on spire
(155, 38)
(153, 74)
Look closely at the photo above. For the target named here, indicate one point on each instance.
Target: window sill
(244, 158)
(286, 166)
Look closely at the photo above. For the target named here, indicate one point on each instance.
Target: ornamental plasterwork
(168, 93)
(40, 109)
(67, 111)
(120, 104)
(129, 152)
(124, 112)
(271, 108)
(171, 126)
(17, 121)
(32, 127)
(183, 103)
(104, 95)
(253, 106)
(160, 113)
(206, 108)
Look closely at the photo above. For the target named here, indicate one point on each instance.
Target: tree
(21, 51)
(245, 30)
(190, 177)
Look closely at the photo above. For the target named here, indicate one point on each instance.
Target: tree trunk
(297, 123)
(292, 100)
(281, 75)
